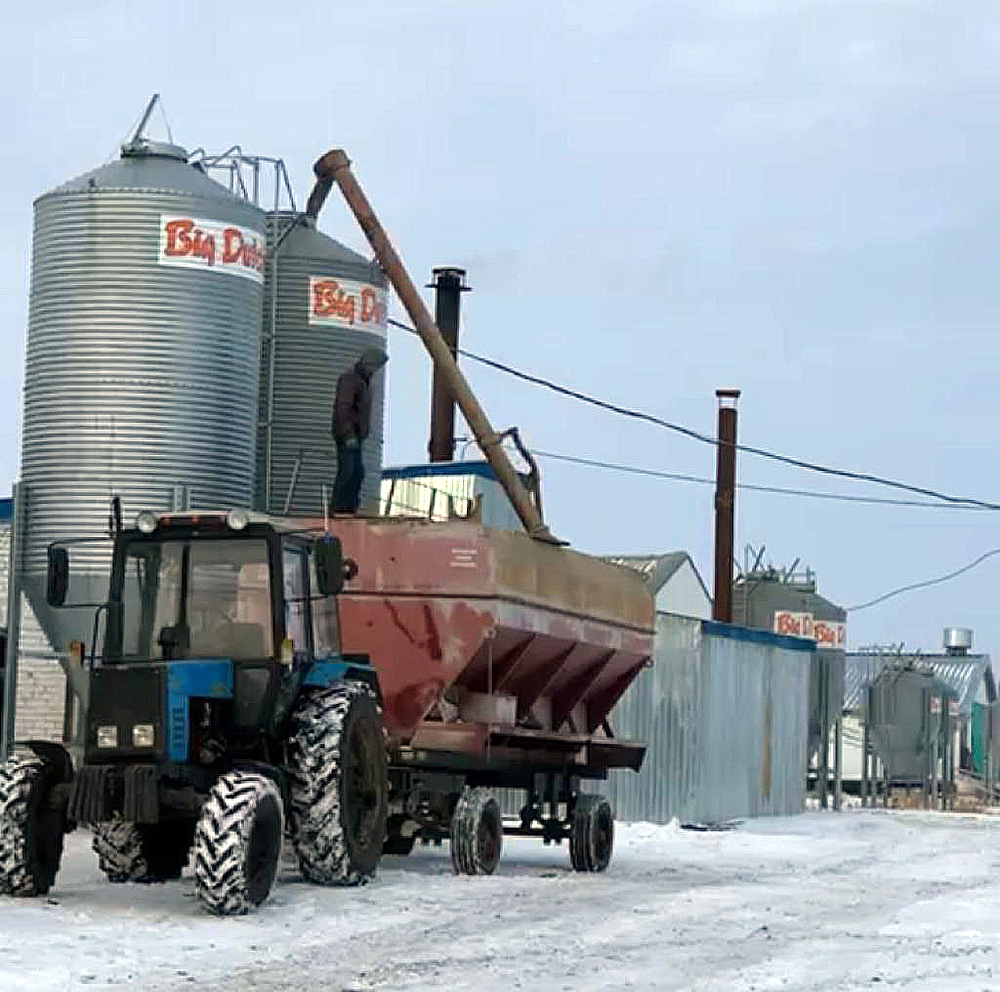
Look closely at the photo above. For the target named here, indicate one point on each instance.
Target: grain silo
(324, 305)
(142, 358)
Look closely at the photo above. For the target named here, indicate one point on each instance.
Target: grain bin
(142, 357)
(324, 305)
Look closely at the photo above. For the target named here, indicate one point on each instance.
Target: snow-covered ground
(863, 899)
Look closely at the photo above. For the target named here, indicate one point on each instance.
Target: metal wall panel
(725, 718)
(755, 601)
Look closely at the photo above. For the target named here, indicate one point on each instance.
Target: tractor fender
(57, 760)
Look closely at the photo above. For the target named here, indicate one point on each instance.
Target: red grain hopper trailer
(499, 660)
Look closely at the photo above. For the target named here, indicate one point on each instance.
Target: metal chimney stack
(725, 505)
(449, 284)
(957, 640)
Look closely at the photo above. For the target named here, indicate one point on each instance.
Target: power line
(925, 584)
(783, 490)
(706, 439)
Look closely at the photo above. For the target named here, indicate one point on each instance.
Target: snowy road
(860, 900)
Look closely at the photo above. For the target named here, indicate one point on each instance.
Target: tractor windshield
(204, 598)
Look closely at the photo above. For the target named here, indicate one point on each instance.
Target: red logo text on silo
(190, 242)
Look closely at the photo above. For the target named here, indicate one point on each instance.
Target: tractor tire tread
(314, 773)
(222, 838)
(20, 776)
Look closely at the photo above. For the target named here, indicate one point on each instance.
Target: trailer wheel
(339, 784)
(395, 842)
(476, 833)
(237, 843)
(31, 829)
(592, 833)
(130, 852)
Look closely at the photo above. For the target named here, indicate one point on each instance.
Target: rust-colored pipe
(337, 166)
(725, 505)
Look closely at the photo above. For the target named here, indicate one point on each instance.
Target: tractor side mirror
(329, 556)
(57, 580)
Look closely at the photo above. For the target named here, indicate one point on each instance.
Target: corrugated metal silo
(142, 356)
(323, 306)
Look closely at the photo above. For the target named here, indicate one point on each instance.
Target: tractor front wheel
(237, 843)
(31, 827)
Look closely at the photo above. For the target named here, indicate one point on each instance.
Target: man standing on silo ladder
(350, 425)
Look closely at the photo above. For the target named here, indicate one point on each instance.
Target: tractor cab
(233, 586)
(214, 622)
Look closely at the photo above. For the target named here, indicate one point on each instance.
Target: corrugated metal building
(724, 712)
(769, 599)
(675, 582)
(447, 489)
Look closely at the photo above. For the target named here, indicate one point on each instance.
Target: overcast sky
(652, 200)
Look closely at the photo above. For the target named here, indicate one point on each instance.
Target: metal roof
(431, 470)
(964, 674)
(658, 569)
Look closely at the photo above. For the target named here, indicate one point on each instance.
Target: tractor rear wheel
(476, 833)
(153, 852)
(237, 843)
(31, 828)
(591, 834)
(339, 784)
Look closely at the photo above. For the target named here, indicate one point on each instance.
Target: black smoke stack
(448, 284)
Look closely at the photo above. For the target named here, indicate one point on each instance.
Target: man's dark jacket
(352, 405)
(352, 402)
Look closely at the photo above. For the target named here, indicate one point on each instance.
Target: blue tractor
(222, 717)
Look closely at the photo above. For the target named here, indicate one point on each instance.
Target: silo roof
(154, 171)
(309, 242)
(963, 674)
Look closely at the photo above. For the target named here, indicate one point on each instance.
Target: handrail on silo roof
(234, 159)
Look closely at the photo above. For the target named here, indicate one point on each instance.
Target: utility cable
(926, 583)
(706, 439)
(783, 490)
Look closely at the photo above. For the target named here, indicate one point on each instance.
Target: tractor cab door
(325, 617)
(311, 619)
(295, 590)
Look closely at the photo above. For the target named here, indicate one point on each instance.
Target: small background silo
(909, 715)
(142, 358)
(324, 305)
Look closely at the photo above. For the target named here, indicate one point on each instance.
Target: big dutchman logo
(195, 243)
(347, 303)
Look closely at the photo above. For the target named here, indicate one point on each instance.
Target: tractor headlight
(238, 519)
(143, 735)
(146, 521)
(107, 737)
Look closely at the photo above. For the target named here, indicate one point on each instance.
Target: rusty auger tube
(336, 165)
